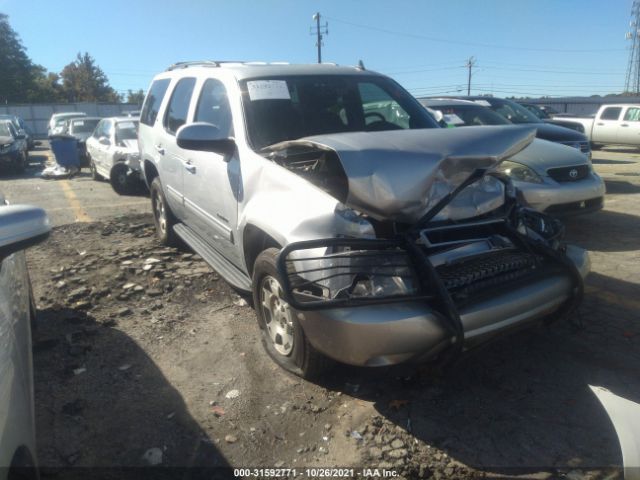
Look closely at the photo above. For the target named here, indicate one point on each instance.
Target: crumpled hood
(542, 155)
(400, 175)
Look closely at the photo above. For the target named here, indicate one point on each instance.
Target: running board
(224, 267)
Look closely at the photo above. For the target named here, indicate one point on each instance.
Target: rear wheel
(120, 179)
(21, 162)
(595, 146)
(162, 215)
(282, 335)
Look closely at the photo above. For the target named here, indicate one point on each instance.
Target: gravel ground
(144, 356)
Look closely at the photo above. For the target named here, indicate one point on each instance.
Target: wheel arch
(150, 172)
(254, 241)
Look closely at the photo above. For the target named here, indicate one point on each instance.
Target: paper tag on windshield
(124, 125)
(268, 90)
(80, 123)
(453, 119)
(484, 103)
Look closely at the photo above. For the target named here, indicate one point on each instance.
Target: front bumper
(10, 157)
(387, 334)
(564, 198)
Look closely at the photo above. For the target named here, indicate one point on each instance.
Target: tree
(135, 97)
(16, 69)
(47, 87)
(84, 81)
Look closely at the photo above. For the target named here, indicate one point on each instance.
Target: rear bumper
(394, 333)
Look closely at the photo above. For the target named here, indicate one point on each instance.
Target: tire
(120, 179)
(94, 172)
(283, 338)
(162, 215)
(595, 146)
(21, 162)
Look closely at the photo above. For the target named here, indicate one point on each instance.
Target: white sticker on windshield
(453, 119)
(80, 123)
(124, 125)
(484, 103)
(268, 90)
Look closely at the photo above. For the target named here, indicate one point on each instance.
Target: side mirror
(204, 137)
(21, 226)
(104, 141)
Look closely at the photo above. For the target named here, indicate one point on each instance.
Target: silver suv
(366, 233)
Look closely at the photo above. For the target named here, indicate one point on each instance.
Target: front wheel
(282, 335)
(162, 215)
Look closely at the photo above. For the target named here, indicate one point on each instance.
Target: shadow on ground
(523, 403)
(621, 187)
(604, 231)
(92, 381)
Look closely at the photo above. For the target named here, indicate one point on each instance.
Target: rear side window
(178, 108)
(152, 102)
(632, 115)
(611, 113)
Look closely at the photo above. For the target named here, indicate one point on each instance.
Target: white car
(57, 123)
(20, 226)
(113, 153)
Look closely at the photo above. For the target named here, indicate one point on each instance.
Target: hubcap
(158, 205)
(277, 315)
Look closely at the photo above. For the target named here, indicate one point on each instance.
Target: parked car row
(13, 147)
(554, 174)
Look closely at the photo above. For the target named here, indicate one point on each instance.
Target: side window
(213, 107)
(611, 113)
(99, 132)
(178, 107)
(632, 115)
(378, 106)
(153, 100)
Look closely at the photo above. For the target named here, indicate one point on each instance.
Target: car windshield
(510, 110)
(470, 115)
(84, 126)
(4, 130)
(126, 131)
(288, 108)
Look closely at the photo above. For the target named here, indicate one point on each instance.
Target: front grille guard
(428, 285)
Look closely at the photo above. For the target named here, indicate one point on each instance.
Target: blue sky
(522, 47)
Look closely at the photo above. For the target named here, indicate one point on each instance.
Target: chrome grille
(569, 174)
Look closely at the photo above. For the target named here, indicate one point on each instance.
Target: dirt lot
(143, 355)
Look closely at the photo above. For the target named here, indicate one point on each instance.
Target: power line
(455, 42)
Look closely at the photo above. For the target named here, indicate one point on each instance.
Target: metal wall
(37, 115)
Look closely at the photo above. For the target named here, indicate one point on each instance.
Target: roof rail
(201, 63)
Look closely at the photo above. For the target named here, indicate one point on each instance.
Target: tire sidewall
(155, 191)
(294, 362)
(117, 186)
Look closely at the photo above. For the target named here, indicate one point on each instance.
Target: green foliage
(17, 72)
(135, 97)
(84, 81)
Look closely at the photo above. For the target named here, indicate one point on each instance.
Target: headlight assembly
(519, 172)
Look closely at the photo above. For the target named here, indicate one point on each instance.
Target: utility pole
(470, 63)
(319, 31)
(632, 81)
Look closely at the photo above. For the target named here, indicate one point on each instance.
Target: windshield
(288, 108)
(126, 131)
(4, 130)
(510, 110)
(470, 115)
(83, 126)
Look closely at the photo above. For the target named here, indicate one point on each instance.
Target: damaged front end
(451, 237)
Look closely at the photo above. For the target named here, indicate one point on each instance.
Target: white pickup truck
(613, 124)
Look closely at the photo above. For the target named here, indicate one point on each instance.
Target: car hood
(556, 133)
(400, 175)
(542, 155)
(6, 140)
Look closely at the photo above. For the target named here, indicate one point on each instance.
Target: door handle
(624, 125)
(190, 167)
(600, 123)
(160, 149)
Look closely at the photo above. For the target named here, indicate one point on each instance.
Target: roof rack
(201, 63)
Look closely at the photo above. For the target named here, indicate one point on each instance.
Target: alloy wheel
(277, 315)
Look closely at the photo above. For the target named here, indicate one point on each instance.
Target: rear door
(171, 159)
(211, 180)
(605, 128)
(629, 131)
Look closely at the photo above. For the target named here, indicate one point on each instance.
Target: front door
(211, 180)
(605, 129)
(629, 130)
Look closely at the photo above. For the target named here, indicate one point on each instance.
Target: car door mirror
(21, 226)
(204, 137)
(104, 141)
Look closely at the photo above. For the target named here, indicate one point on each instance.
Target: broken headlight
(519, 172)
(346, 271)
(352, 224)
